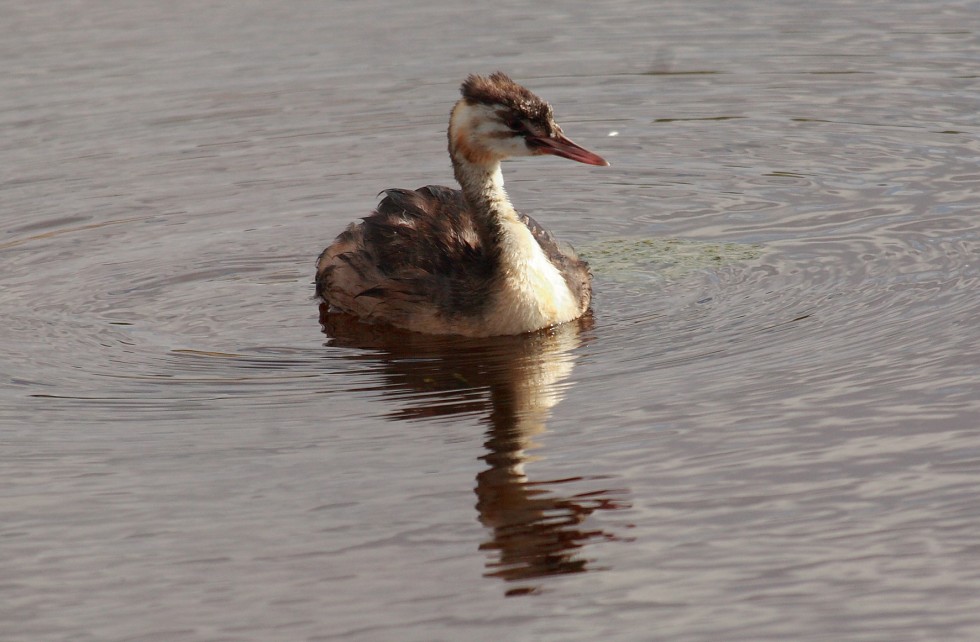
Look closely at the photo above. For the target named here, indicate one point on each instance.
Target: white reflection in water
(537, 527)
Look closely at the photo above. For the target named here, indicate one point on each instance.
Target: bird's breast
(533, 292)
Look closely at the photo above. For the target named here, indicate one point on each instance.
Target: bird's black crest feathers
(499, 89)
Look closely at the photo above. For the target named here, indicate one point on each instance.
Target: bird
(442, 261)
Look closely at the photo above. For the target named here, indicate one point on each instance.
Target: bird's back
(416, 262)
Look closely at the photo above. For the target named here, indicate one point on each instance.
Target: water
(769, 428)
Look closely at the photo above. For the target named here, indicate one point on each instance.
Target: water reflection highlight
(538, 528)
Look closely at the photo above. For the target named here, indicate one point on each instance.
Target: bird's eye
(516, 125)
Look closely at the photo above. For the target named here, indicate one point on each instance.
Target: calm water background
(782, 446)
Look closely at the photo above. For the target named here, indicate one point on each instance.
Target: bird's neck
(483, 189)
(533, 293)
(478, 173)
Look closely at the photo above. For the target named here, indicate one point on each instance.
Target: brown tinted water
(769, 427)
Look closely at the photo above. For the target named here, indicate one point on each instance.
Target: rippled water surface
(767, 429)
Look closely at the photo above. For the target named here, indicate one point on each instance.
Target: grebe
(443, 261)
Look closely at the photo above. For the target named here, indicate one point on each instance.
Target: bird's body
(444, 261)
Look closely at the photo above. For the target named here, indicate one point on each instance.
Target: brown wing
(416, 257)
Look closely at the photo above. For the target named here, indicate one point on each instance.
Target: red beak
(561, 146)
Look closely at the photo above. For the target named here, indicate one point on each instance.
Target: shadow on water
(537, 527)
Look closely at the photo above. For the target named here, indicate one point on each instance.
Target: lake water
(767, 429)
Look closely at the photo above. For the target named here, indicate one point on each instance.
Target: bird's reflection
(511, 383)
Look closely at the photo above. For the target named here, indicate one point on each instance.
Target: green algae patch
(639, 258)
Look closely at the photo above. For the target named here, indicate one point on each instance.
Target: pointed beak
(558, 145)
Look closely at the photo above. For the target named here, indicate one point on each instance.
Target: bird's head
(497, 119)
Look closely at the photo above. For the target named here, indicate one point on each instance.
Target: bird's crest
(499, 89)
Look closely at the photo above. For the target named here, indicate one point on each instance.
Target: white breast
(534, 293)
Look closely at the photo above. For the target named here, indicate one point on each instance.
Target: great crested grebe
(443, 261)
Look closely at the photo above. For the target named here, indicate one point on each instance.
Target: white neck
(483, 187)
(534, 293)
